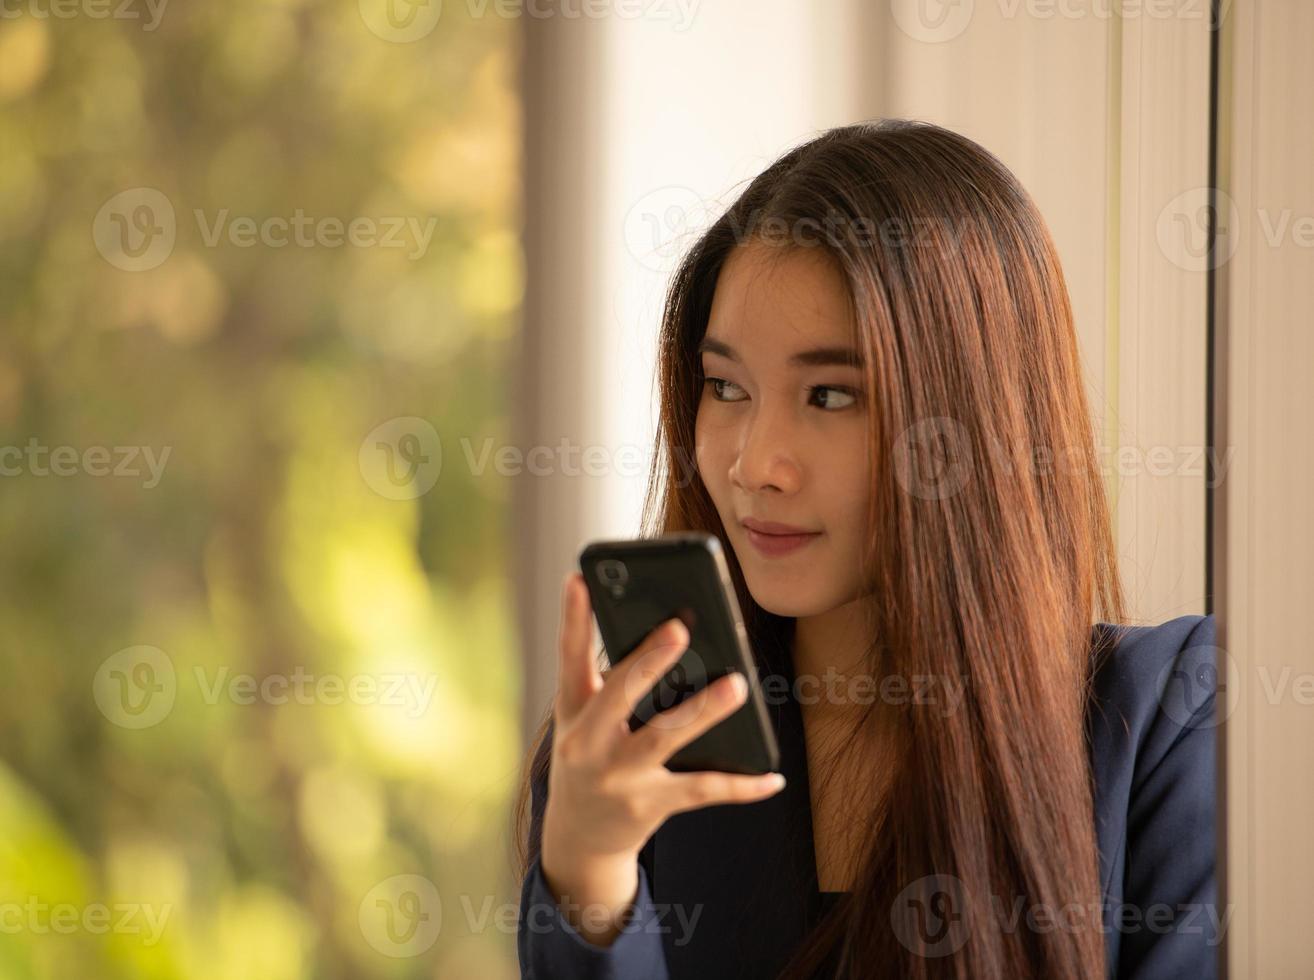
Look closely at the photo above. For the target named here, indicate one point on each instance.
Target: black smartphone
(635, 586)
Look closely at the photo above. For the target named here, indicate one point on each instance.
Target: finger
(628, 682)
(668, 731)
(693, 790)
(578, 679)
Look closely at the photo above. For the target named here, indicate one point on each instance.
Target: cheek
(846, 473)
(702, 453)
(711, 446)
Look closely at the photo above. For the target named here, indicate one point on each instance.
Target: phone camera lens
(613, 574)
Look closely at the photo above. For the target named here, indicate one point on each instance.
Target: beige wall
(1265, 525)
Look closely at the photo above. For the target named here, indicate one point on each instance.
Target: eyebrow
(816, 357)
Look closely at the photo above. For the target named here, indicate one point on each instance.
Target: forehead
(773, 300)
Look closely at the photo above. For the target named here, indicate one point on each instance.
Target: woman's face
(781, 433)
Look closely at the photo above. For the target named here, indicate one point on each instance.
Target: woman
(870, 361)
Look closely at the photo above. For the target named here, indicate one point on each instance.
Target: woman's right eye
(719, 386)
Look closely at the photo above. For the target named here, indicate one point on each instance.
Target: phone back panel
(635, 586)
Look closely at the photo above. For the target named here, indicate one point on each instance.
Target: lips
(773, 527)
(774, 540)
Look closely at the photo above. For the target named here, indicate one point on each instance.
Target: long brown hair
(991, 554)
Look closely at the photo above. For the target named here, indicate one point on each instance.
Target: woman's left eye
(843, 393)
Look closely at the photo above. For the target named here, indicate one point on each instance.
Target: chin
(789, 607)
(781, 598)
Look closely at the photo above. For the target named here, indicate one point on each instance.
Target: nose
(766, 461)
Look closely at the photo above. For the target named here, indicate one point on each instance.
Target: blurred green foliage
(254, 836)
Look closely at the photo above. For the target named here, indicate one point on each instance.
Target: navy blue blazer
(707, 905)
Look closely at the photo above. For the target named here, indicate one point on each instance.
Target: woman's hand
(608, 788)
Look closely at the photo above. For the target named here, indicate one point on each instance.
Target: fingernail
(738, 686)
(774, 780)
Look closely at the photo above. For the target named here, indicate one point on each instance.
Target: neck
(830, 653)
